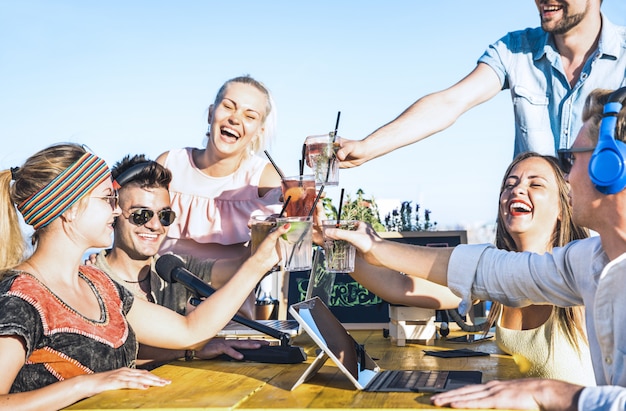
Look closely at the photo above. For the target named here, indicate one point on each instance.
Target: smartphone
(470, 338)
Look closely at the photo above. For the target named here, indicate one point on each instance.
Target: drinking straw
(336, 126)
(284, 207)
(340, 205)
(319, 194)
(303, 155)
(332, 145)
(280, 173)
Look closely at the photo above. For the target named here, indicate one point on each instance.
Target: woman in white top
(215, 189)
(534, 215)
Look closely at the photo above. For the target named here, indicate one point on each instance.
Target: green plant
(360, 208)
(405, 220)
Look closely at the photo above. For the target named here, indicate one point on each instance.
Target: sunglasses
(566, 157)
(143, 215)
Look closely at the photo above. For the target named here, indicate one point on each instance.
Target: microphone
(171, 268)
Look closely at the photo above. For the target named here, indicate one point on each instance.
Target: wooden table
(205, 385)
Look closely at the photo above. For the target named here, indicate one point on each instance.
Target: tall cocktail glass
(320, 154)
(296, 245)
(302, 191)
(339, 253)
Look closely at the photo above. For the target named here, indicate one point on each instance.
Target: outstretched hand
(523, 394)
(364, 239)
(218, 346)
(352, 153)
(267, 254)
(121, 378)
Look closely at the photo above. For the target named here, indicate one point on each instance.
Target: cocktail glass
(339, 253)
(302, 191)
(296, 245)
(260, 226)
(320, 154)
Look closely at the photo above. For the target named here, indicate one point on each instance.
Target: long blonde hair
(569, 319)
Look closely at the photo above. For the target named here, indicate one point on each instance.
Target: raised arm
(430, 263)
(427, 116)
(160, 327)
(398, 288)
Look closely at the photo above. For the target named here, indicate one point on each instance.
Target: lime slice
(295, 231)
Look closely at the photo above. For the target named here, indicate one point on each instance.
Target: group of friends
(70, 329)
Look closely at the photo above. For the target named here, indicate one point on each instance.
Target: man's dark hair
(141, 171)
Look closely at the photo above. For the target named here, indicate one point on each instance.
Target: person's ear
(255, 142)
(258, 135)
(70, 214)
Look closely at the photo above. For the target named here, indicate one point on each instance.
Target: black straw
(332, 148)
(319, 194)
(284, 207)
(280, 173)
(340, 205)
(336, 126)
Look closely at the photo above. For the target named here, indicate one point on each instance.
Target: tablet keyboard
(409, 380)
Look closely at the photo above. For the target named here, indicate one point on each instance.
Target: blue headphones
(607, 168)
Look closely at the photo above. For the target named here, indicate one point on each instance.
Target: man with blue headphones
(549, 71)
(589, 272)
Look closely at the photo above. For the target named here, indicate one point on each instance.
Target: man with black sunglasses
(139, 231)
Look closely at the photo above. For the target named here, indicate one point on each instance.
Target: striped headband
(65, 190)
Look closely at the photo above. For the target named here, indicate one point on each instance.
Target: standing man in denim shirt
(550, 71)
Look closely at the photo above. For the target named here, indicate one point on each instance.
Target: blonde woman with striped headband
(68, 331)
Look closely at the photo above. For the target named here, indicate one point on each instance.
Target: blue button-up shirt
(578, 274)
(548, 111)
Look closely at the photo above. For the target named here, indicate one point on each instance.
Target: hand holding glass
(260, 226)
(339, 253)
(296, 246)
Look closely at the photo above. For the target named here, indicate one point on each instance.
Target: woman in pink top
(214, 190)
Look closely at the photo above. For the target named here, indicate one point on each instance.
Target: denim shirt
(578, 274)
(548, 111)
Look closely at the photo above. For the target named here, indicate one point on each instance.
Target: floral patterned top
(60, 342)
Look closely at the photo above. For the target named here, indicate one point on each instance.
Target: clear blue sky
(137, 77)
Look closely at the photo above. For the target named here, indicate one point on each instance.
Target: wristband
(190, 355)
